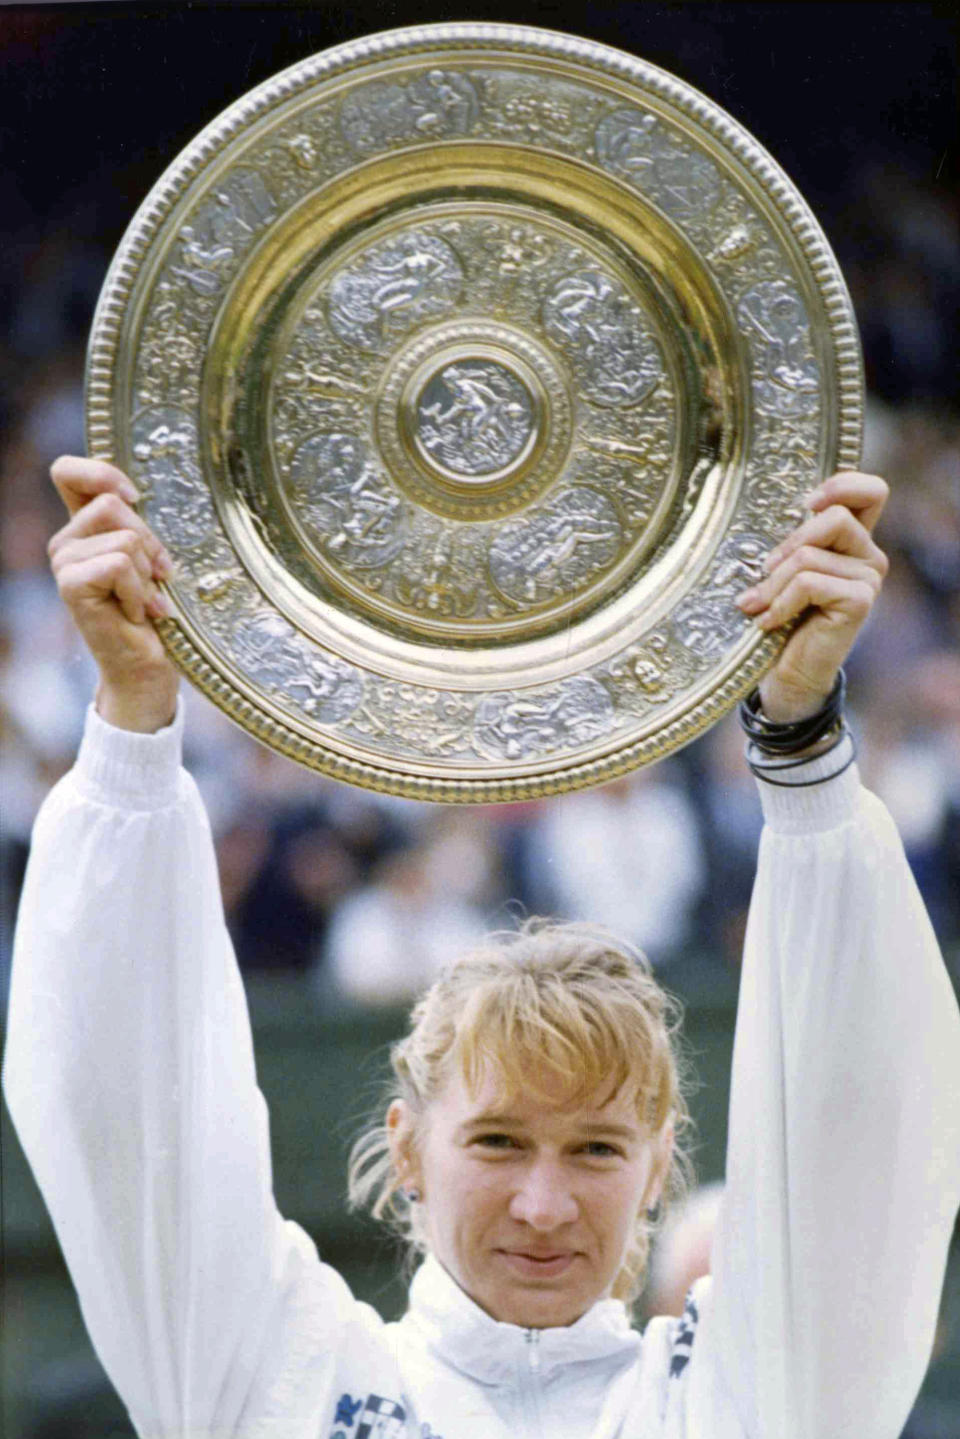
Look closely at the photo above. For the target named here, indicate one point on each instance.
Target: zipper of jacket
(531, 1386)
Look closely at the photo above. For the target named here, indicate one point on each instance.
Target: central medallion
(474, 419)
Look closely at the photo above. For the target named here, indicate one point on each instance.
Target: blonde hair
(551, 1009)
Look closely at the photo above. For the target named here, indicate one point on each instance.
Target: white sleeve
(843, 1161)
(129, 1074)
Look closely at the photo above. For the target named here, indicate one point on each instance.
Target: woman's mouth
(542, 1265)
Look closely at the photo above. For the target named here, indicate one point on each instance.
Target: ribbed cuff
(818, 795)
(124, 768)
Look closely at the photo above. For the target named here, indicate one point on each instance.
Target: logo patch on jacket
(683, 1338)
(379, 1418)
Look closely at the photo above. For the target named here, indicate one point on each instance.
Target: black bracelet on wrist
(767, 771)
(782, 740)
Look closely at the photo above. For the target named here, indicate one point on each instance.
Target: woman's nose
(544, 1199)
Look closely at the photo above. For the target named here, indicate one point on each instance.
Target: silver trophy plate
(468, 372)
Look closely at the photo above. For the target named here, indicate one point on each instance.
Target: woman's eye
(495, 1141)
(599, 1149)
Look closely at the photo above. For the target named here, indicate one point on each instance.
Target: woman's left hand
(829, 571)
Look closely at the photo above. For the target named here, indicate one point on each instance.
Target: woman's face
(528, 1206)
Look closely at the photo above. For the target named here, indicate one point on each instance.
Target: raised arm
(129, 1069)
(843, 1165)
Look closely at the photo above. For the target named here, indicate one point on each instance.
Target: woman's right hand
(108, 566)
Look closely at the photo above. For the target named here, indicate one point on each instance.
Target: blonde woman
(537, 1120)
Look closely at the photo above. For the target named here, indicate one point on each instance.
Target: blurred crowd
(369, 894)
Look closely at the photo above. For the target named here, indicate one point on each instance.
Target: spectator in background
(388, 941)
(912, 761)
(585, 862)
(292, 873)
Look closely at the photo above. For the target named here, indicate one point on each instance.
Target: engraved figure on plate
(393, 286)
(527, 726)
(648, 672)
(708, 621)
(474, 417)
(164, 444)
(413, 718)
(435, 106)
(443, 579)
(348, 506)
(555, 549)
(275, 656)
(637, 146)
(222, 226)
(776, 324)
(592, 318)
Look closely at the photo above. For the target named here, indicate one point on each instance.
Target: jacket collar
(462, 1335)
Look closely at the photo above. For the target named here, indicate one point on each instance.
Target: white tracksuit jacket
(130, 1077)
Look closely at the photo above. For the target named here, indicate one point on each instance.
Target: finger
(106, 513)
(846, 602)
(127, 542)
(813, 559)
(866, 495)
(105, 577)
(835, 528)
(156, 603)
(79, 480)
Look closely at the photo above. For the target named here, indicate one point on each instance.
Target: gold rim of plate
(468, 372)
